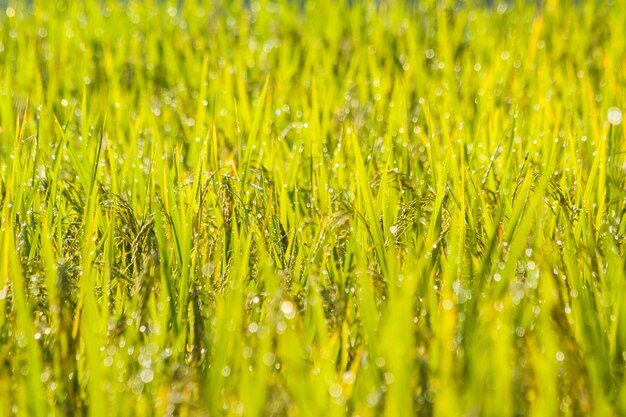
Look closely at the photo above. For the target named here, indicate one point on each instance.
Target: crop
(312, 208)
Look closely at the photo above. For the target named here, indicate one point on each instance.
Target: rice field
(312, 208)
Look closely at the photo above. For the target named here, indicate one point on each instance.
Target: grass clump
(312, 208)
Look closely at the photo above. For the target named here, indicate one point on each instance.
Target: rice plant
(312, 208)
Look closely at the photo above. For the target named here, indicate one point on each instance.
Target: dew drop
(614, 116)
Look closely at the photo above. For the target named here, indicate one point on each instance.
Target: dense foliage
(315, 208)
